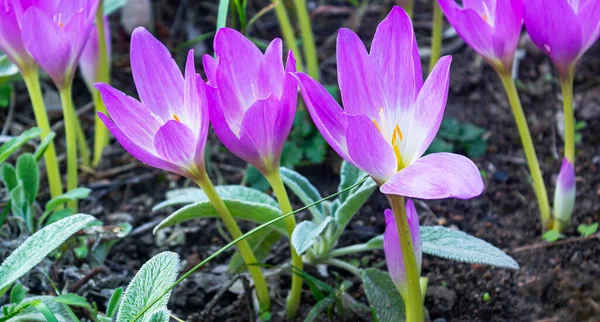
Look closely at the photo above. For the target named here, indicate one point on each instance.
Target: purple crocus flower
(393, 250)
(252, 98)
(88, 62)
(564, 195)
(11, 42)
(55, 32)
(563, 29)
(390, 115)
(491, 27)
(168, 128)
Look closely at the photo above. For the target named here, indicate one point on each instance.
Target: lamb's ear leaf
(38, 246)
(304, 190)
(7, 149)
(383, 296)
(152, 280)
(306, 233)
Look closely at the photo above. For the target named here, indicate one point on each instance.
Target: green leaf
(440, 145)
(349, 175)
(28, 312)
(71, 299)
(153, 278)
(477, 148)
(470, 132)
(27, 173)
(457, 245)
(188, 196)
(11, 146)
(383, 296)
(319, 308)
(56, 216)
(344, 213)
(9, 177)
(6, 67)
(306, 233)
(291, 154)
(304, 190)
(44, 310)
(111, 6)
(41, 149)
(77, 193)
(17, 294)
(38, 246)
(161, 315)
(113, 302)
(552, 236)
(261, 244)
(5, 95)
(249, 211)
(587, 230)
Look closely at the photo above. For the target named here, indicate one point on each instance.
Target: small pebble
(501, 176)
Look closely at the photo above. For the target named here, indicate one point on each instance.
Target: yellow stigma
(377, 126)
(176, 118)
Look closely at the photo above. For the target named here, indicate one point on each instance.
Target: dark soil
(556, 282)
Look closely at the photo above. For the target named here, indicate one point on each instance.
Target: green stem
(247, 254)
(352, 249)
(436, 35)
(71, 138)
(287, 31)
(412, 296)
(567, 92)
(345, 266)
(408, 6)
(233, 243)
(103, 75)
(32, 82)
(532, 161)
(308, 40)
(293, 300)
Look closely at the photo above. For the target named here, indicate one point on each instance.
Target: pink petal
(507, 30)
(392, 248)
(589, 19)
(134, 119)
(326, 113)
(395, 59)
(428, 111)
(88, 63)
(195, 108)
(368, 150)
(210, 68)
(471, 27)
(11, 43)
(553, 27)
(48, 43)
(270, 72)
(437, 176)
(564, 195)
(359, 85)
(157, 78)
(139, 152)
(172, 143)
(238, 60)
(290, 64)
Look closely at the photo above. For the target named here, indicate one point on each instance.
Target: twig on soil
(60, 124)
(558, 243)
(75, 287)
(145, 227)
(205, 314)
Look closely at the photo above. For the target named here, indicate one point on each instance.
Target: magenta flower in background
(88, 62)
(55, 32)
(11, 42)
(563, 29)
(491, 27)
(564, 195)
(393, 250)
(390, 116)
(252, 98)
(168, 128)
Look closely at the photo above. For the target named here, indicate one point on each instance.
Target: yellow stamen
(398, 132)
(377, 125)
(60, 24)
(176, 118)
(484, 16)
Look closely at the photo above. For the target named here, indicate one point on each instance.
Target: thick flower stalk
(11, 44)
(492, 28)
(252, 101)
(55, 34)
(169, 127)
(389, 121)
(95, 67)
(564, 196)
